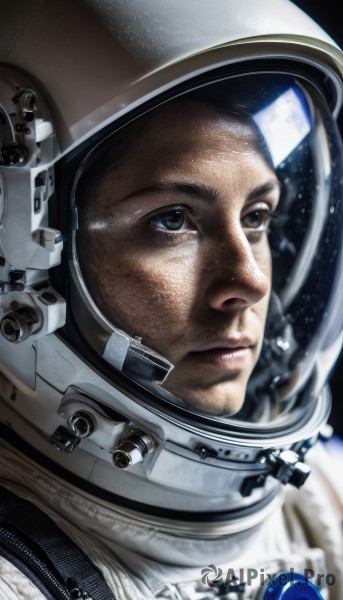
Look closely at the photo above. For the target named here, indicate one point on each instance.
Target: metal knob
(17, 326)
(132, 449)
(288, 468)
(12, 156)
(81, 424)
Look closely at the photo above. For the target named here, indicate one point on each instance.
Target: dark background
(326, 14)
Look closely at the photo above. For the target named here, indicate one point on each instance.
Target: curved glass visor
(207, 257)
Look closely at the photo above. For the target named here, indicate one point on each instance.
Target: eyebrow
(207, 193)
(265, 188)
(195, 191)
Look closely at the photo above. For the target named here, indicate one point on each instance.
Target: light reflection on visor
(284, 123)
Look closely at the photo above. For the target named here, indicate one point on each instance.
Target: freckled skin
(183, 291)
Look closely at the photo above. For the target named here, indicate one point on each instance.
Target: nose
(239, 277)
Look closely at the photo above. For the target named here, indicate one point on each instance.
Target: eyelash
(266, 214)
(171, 211)
(255, 235)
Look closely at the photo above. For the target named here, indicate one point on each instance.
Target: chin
(217, 400)
(214, 407)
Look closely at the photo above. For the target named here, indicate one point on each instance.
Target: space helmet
(79, 82)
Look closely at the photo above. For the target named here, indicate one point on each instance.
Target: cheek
(262, 256)
(141, 291)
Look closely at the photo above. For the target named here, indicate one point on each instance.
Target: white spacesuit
(171, 187)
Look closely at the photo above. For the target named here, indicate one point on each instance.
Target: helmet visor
(209, 238)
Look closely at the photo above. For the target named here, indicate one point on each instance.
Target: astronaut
(171, 178)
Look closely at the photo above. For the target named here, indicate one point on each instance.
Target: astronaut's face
(176, 249)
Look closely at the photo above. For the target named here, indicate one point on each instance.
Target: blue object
(291, 586)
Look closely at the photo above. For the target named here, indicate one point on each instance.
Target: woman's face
(176, 249)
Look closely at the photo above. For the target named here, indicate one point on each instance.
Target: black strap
(37, 542)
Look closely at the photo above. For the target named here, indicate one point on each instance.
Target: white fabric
(14, 585)
(141, 563)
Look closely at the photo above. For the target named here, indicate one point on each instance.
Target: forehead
(179, 130)
(185, 120)
(184, 139)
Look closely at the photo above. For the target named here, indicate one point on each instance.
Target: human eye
(175, 219)
(258, 219)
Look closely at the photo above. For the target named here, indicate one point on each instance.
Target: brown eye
(171, 220)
